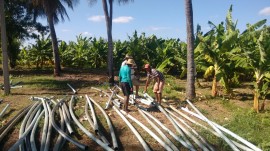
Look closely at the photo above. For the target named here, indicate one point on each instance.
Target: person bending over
(159, 81)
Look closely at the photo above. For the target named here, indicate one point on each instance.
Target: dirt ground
(127, 141)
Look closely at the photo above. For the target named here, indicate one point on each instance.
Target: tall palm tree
(190, 87)
(52, 9)
(4, 49)
(108, 12)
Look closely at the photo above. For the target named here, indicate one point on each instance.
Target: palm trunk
(190, 87)
(57, 67)
(108, 18)
(4, 49)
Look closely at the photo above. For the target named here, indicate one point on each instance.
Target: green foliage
(38, 54)
(20, 26)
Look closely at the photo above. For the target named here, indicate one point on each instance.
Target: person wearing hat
(134, 74)
(126, 59)
(126, 82)
(159, 81)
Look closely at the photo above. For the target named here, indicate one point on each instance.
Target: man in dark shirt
(159, 81)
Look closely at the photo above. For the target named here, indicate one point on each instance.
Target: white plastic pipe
(189, 134)
(73, 90)
(210, 130)
(162, 143)
(166, 139)
(136, 133)
(3, 111)
(61, 132)
(21, 139)
(90, 135)
(191, 147)
(192, 130)
(93, 114)
(167, 130)
(89, 119)
(114, 140)
(229, 142)
(239, 138)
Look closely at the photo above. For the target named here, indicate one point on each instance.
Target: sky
(163, 18)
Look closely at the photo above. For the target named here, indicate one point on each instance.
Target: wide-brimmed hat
(130, 61)
(128, 56)
(146, 66)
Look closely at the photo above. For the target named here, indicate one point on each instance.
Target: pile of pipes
(181, 120)
(58, 115)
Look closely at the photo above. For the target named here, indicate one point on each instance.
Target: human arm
(146, 85)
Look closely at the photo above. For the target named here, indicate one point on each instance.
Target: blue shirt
(125, 75)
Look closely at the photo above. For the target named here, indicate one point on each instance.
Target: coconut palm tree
(4, 49)
(52, 9)
(108, 12)
(190, 87)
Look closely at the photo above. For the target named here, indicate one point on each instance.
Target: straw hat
(128, 56)
(130, 61)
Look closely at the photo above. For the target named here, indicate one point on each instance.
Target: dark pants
(125, 88)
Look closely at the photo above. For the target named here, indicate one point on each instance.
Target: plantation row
(222, 54)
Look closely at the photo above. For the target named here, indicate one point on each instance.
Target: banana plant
(255, 54)
(98, 53)
(78, 52)
(40, 53)
(214, 49)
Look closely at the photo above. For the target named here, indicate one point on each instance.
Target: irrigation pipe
(166, 139)
(92, 124)
(210, 130)
(48, 137)
(60, 131)
(60, 139)
(239, 138)
(45, 125)
(175, 126)
(33, 132)
(3, 111)
(162, 143)
(199, 143)
(23, 125)
(64, 105)
(65, 113)
(114, 140)
(93, 114)
(5, 129)
(21, 139)
(214, 127)
(88, 115)
(73, 90)
(104, 146)
(169, 131)
(136, 133)
(99, 90)
(192, 130)
(29, 121)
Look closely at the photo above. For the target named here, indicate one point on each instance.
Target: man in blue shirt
(126, 82)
